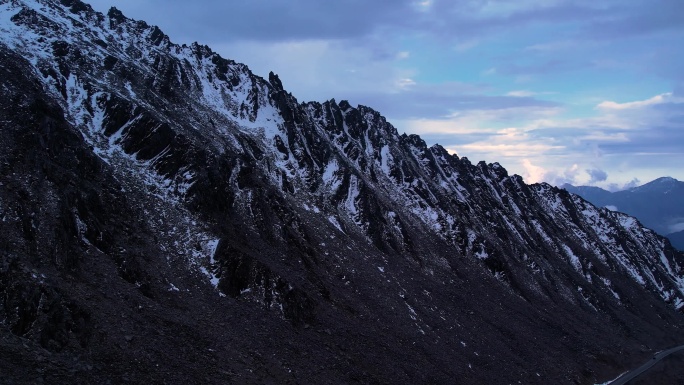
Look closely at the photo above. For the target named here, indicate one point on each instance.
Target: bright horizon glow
(559, 91)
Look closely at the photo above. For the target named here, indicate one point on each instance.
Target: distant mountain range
(658, 205)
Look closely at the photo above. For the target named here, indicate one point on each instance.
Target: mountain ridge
(656, 203)
(316, 219)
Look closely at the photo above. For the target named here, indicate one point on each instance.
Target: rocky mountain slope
(657, 204)
(168, 216)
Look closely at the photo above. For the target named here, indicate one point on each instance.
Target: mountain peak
(116, 17)
(665, 179)
(275, 81)
(662, 184)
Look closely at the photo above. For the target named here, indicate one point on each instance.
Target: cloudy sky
(586, 92)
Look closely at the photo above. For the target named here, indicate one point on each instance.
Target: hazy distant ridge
(658, 205)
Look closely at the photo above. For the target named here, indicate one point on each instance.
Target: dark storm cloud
(273, 20)
(597, 175)
(283, 20)
(638, 18)
(374, 24)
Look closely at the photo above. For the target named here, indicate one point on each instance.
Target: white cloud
(541, 144)
(493, 121)
(527, 94)
(536, 174)
(605, 137)
(480, 117)
(404, 83)
(508, 150)
(676, 227)
(658, 99)
(424, 5)
(521, 94)
(533, 174)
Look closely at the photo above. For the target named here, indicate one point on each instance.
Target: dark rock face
(169, 216)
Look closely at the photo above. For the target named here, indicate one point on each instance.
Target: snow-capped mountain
(168, 215)
(657, 204)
